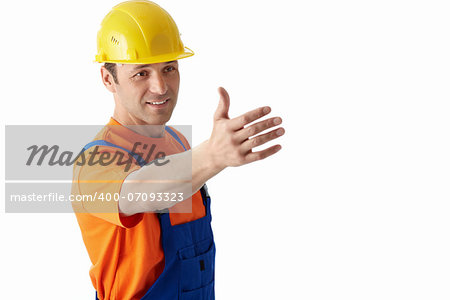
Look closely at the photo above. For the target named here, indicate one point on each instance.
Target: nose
(157, 84)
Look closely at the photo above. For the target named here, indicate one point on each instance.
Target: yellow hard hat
(139, 32)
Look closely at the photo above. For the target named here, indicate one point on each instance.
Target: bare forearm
(203, 166)
(182, 179)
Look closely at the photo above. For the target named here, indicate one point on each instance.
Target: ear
(108, 80)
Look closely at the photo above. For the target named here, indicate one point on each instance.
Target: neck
(140, 127)
(153, 131)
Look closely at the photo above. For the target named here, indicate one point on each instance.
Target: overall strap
(175, 136)
(138, 158)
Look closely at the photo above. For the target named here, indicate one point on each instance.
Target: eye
(140, 74)
(170, 68)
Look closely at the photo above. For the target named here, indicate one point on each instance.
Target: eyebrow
(146, 65)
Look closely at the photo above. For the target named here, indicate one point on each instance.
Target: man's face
(141, 86)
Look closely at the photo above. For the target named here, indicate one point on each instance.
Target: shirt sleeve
(100, 188)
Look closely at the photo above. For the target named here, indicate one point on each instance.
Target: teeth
(158, 102)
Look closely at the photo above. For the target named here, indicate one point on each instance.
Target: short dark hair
(112, 68)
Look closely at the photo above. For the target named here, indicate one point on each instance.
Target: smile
(157, 103)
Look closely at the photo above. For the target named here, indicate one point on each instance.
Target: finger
(256, 128)
(262, 139)
(254, 156)
(224, 105)
(239, 122)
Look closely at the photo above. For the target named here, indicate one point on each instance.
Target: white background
(355, 205)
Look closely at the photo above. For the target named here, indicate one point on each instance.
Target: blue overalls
(189, 250)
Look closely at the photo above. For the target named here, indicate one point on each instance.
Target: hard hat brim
(150, 60)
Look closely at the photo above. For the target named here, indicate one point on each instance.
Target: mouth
(158, 104)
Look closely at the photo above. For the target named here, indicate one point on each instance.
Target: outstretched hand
(231, 143)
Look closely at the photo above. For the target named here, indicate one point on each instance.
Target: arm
(230, 144)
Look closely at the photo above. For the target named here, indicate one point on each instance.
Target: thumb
(224, 105)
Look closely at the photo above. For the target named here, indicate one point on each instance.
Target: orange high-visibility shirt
(125, 251)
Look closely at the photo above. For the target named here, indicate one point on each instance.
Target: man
(153, 249)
